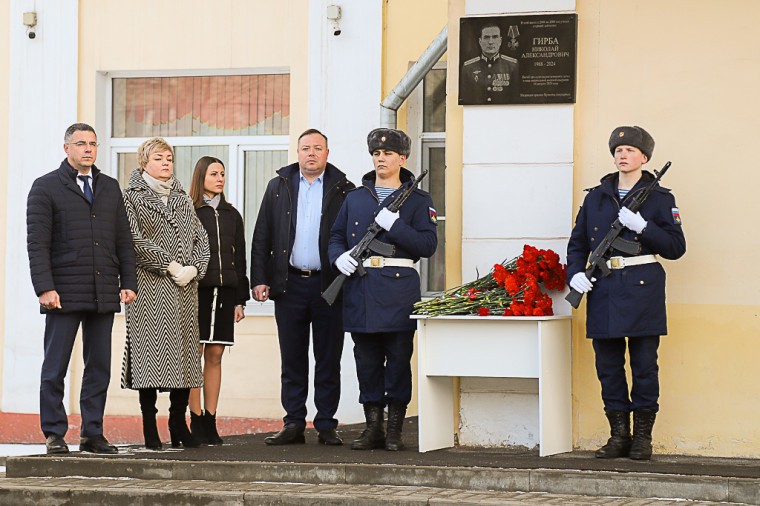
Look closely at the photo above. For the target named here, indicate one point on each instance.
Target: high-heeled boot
(178, 430)
(198, 427)
(148, 398)
(209, 423)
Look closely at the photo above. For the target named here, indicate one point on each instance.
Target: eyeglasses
(81, 144)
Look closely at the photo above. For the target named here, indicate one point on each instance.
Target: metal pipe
(412, 78)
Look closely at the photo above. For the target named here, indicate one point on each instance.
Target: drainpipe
(419, 70)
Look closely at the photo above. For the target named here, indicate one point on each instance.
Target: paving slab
(245, 459)
(129, 492)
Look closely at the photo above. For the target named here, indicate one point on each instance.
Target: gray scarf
(162, 188)
(214, 201)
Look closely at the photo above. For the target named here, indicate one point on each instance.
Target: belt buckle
(376, 261)
(617, 263)
(305, 273)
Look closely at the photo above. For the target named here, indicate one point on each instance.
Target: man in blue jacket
(377, 306)
(82, 264)
(630, 303)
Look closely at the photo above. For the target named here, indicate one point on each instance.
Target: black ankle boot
(198, 427)
(178, 430)
(396, 414)
(619, 443)
(209, 425)
(148, 408)
(643, 422)
(374, 435)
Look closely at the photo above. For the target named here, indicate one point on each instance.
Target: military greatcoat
(631, 301)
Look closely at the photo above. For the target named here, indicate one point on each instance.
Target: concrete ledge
(591, 483)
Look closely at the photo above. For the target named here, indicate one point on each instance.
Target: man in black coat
(82, 264)
(289, 264)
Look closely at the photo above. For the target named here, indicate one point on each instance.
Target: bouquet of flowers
(510, 289)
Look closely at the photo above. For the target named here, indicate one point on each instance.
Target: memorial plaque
(527, 59)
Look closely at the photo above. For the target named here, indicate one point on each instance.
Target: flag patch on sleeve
(676, 216)
(433, 215)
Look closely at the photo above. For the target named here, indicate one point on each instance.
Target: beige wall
(4, 91)
(688, 72)
(228, 34)
(224, 34)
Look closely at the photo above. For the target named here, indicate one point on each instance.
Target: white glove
(580, 283)
(346, 264)
(632, 220)
(185, 275)
(174, 268)
(385, 218)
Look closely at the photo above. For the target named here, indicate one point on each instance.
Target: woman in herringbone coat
(172, 250)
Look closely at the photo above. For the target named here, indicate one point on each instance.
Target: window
(427, 126)
(241, 119)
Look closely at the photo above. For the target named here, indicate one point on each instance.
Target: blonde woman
(172, 251)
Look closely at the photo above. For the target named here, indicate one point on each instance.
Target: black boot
(198, 427)
(209, 426)
(374, 435)
(619, 443)
(178, 430)
(148, 398)
(396, 414)
(643, 422)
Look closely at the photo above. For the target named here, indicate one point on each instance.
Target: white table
(496, 347)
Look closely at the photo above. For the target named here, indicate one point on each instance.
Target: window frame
(237, 145)
(419, 159)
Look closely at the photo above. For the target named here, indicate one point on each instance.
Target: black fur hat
(390, 139)
(632, 136)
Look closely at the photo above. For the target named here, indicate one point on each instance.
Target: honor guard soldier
(490, 78)
(629, 304)
(377, 306)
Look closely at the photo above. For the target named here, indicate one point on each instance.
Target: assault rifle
(370, 244)
(598, 260)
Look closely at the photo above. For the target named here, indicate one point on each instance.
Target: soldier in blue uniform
(630, 303)
(377, 306)
(490, 78)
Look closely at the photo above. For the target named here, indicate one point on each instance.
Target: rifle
(369, 244)
(597, 261)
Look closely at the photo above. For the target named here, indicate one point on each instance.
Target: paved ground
(245, 471)
(79, 491)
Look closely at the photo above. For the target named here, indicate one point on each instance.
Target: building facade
(240, 79)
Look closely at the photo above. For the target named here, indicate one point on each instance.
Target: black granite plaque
(528, 59)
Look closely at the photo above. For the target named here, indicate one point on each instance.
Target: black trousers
(383, 367)
(298, 311)
(610, 369)
(60, 333)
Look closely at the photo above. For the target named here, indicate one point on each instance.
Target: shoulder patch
(472, 60)
(676, 215)
(433, 215)
(510, 59)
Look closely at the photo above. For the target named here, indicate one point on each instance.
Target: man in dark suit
(289, 264)
(82, 264)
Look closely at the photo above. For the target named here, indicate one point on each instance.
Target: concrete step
(465, 479)
(80, 491)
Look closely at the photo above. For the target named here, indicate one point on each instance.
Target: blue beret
(632, 136)
(389, 139)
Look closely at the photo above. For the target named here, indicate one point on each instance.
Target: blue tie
(87, 189)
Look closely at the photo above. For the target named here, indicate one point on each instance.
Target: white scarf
(162, 188)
